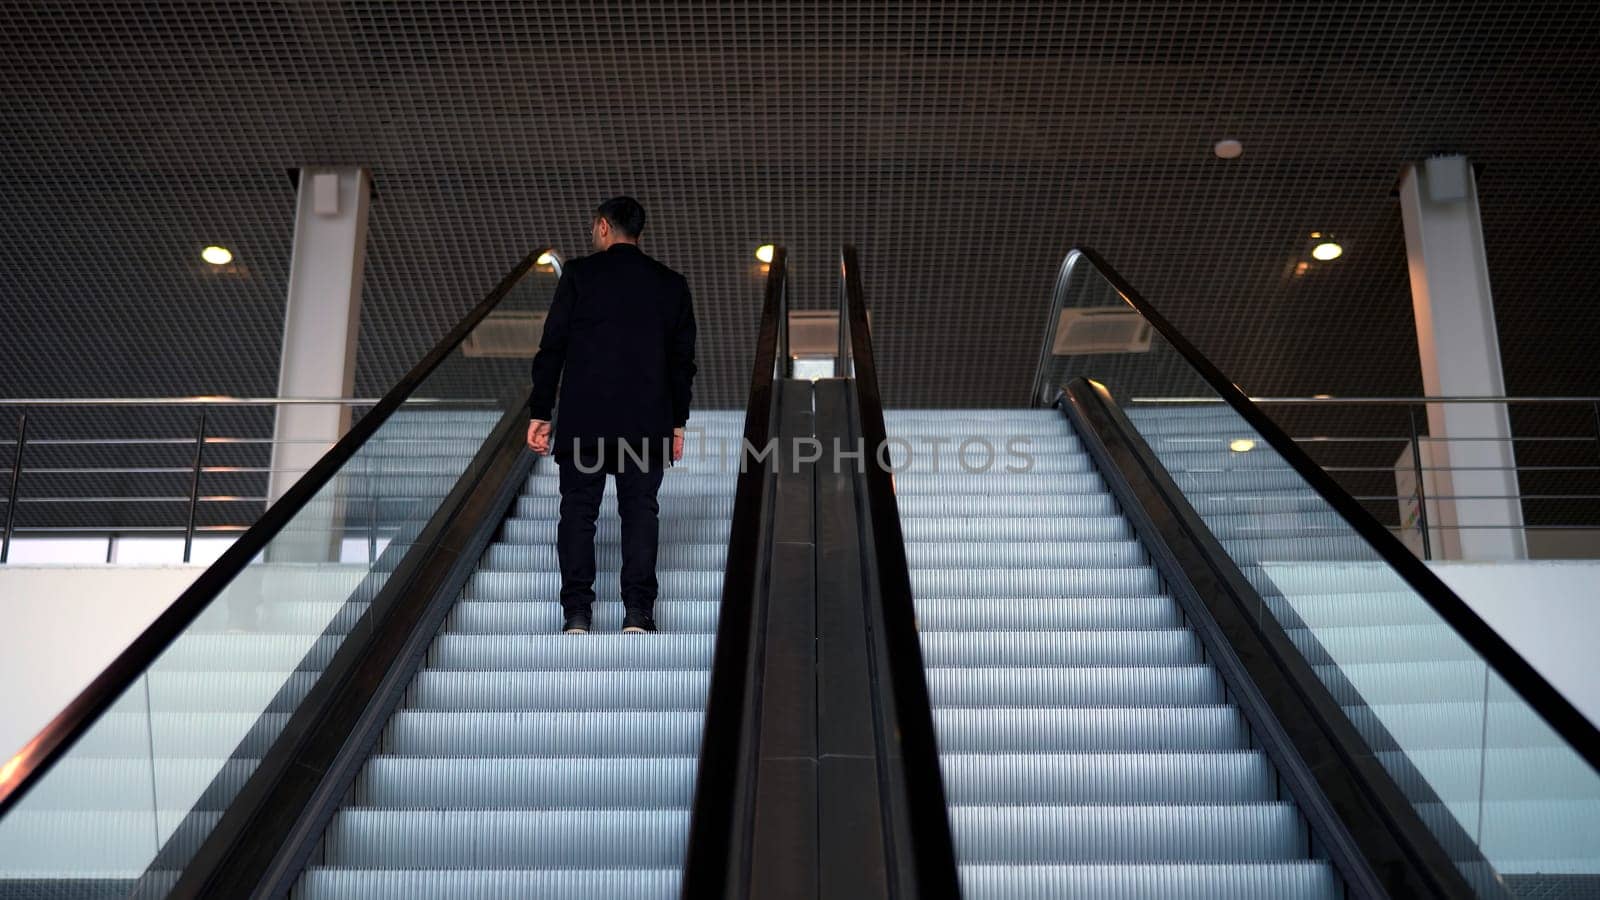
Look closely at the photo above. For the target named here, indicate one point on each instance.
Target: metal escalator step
(1153, 647)
(546, 586)
(990, 460)
(500, 839)
(1125, 833)
(1000, 529)
(1033, 583)
(1090, 730)
(544, 616)
(1051, 505)
(609, 531)
(588, 733)
(477, 884)
(505, 557)
(559, 691)
(566, 652)
(1089, 686)
(1054, 614)
(1113, 778)
(675, 484)
(618, 783)
(1029, 555)
(1171, 881)
(673, 509)
(915, 483)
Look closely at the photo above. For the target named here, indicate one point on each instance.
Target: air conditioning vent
(512, 334)
(1083, 331)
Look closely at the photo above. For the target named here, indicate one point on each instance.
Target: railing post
(1422, 494)
(11, 493)
(194, 485)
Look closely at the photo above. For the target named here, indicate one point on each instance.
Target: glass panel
(1507, 797)
(141, 791)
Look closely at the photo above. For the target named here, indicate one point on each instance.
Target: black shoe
(637, 621)
(577, 623)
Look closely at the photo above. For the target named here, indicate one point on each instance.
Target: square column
(321, 323)
(1459, 347)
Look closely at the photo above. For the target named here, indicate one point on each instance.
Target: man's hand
(539, 437)
(677, 444)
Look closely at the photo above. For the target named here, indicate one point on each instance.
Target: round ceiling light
(217, 256)
(1228, 149)
(1327, 251)
(764, 253)
(1241, 445)
(545, 259)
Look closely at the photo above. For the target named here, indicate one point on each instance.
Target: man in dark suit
(620, 341)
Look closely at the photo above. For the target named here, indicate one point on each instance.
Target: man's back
(620, 337)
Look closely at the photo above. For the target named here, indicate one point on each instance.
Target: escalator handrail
(1573, 726)
(35, 759)
(716, 858)
(932, 852)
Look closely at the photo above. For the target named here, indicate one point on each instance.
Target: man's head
(619, 220)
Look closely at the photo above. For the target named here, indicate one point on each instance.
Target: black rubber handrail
(1562, 716)
(30, 764)
(716, 860)
(932, 850)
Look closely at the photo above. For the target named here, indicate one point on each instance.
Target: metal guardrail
(202, 438)
(1558, 456)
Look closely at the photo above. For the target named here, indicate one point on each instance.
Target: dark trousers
(580, 506)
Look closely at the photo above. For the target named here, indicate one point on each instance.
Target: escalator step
(1123, 778)
(547, 734)
(468, 884)
(566, 653)
(505, 839)
(1106, 833)
(1090, 730)
(1172, 881)
(523, 783)
(1091, 686)
(558, 691)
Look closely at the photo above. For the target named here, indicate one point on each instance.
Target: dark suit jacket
(620, 341)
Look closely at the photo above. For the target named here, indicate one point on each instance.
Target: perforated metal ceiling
(964, 147)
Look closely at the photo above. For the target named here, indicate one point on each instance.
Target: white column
(320, 324)
(1460, 352)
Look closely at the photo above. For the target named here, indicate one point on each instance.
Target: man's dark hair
(625, 215)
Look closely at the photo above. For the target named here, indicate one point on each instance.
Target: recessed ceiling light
(217, 256)
(1315, 235)
(1322, 396)
(764, 253)
(1327, 251)
(1241, 445)
(1228, 149)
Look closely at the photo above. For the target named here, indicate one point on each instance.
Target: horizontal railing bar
(1375, 401)
(235, 401)
(217, 498)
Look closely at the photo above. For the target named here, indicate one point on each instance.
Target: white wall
(1549, 611)
(63, 625)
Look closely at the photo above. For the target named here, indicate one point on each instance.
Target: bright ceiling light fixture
(545, 259)
(1228, 149)
(764, 253)
(1241, 445)
(1327, 251)
(217, 256)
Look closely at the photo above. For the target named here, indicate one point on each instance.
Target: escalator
(369, 695)
(1161, 653)
(1087, 745)
(526, 762)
